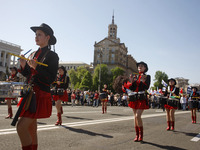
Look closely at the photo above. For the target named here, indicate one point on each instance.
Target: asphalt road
(86, 128)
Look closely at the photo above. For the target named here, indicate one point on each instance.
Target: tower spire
(113, 18)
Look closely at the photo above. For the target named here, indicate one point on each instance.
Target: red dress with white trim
(136, 90)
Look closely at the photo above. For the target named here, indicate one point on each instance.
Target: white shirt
(183, 100)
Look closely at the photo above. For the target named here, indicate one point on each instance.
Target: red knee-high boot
(29, 147)
(137, 133)
(168, 125)
(172, 123)
(140, 133)
(61, 110)
(34, 147)
(59, 121)
(195, 119)
(192, 119)
(10, 114)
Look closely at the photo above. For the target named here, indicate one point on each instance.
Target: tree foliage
(159, 76)
(117, 71)
(86, 83)
(73, 77)
(104, 76)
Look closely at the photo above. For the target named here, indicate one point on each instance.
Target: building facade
(113, 53)
(182, 83)
(6, 60)
(74, 65)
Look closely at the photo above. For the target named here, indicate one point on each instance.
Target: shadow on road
(188, 134)
(86, 132)
(119, 115)
(41, 123)
(164, 146)
(78, 118)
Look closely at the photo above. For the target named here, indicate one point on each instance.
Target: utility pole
(100, 56)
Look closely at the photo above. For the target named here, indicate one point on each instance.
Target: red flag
(181, 91)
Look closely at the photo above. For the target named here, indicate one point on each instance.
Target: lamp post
(100, 56)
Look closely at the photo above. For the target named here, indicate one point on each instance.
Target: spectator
(111, 98)
(82, 98)
(73, 98)
(183, 102)
(96, 99)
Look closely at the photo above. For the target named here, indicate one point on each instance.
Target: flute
(29, 59)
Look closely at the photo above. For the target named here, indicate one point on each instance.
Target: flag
(189, 89)
(181, 91)
(164, 89)
(164, 83)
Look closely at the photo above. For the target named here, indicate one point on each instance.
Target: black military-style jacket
(176, 92)
(45, 75)
(65, 82)
(140, 86)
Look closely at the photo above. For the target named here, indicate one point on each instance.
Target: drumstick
(195, 97)
(56, 82)
(29, 59)
(26, 53)
(139, 74)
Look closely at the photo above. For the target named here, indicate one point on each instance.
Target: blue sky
(163, 33)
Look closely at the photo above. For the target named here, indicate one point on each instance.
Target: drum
(11, 89)
(193, 104)
(5, 89)
(60, 91)
(173, 102)
(103, 96)
(162, 100)
(17, 88)
(53, 92)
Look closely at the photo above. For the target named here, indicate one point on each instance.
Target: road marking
(196, 138)
(83, 123)
(77, 112)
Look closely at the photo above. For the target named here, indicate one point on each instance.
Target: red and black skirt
(138, 104)
(63, 97)
(43, 105)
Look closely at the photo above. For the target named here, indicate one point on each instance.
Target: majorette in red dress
(42, 78)
(136, 90)
(170, 92)
(64, 85)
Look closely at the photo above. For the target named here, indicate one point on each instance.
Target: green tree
(105, 78)
(73, 77)
(81, 72)
(86, 83)
(159, 76)
(117, 71)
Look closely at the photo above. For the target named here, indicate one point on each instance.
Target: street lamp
(100, 56)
